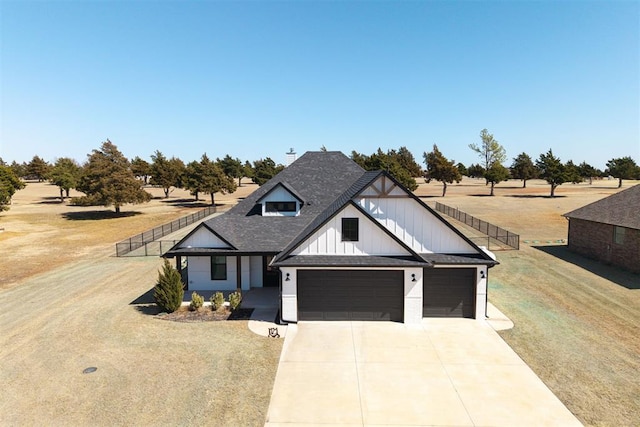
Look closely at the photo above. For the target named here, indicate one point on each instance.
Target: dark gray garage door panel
(449, 292)
(350, 295)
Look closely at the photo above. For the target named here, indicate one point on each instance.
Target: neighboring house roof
(326, 182)
(621, 209)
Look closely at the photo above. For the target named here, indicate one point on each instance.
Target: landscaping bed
(205, 314)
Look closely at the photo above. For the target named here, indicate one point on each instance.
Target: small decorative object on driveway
(273, 333)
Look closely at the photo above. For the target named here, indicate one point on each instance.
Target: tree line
(404, 168)
(108, 178)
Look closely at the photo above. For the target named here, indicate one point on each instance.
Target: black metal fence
(493, 231)
(142, 239)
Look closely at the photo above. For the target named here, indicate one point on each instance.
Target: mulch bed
(205, 314)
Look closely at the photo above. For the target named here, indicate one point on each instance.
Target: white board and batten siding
(203, 238)
(199, 273)
(414, 225)
(328, 239)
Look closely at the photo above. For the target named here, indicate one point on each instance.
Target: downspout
(279, 321)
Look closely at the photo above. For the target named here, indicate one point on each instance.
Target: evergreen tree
(588, 172)
(141, 169)
(551, 170)
(389, 162)
(573, 172)
(66, 175)
(495, 175)
(441, 169)
(38, 169)
(214, 180)
(9, 184)
(523, 168)
(193, 178)
(169, 289)
(166, 173)
(623, 168)
(232, 168)
(462, 169)
(107, 179)
(475, 171)
(264, 170)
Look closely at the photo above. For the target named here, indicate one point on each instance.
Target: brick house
(609, 230)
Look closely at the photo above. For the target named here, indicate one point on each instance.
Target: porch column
(239, 273)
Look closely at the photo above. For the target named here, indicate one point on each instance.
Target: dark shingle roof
(349, 261)
(621, 209)
(453, 259)
(318, 178)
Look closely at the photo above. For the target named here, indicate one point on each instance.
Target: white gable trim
(202, 237)
(383, 187)
(372, 240)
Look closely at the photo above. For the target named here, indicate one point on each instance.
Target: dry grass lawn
(577, 322)
(69, 304)
(66, 304)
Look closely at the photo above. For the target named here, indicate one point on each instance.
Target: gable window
(349, 229)
(218, 268)
(280, 207)
(618, 235)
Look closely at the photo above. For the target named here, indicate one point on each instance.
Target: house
(609, 230)
(340, 243)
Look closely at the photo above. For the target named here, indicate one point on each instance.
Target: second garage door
(350, 295)
(449, 292)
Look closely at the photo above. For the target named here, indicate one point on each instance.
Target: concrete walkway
(444, 372)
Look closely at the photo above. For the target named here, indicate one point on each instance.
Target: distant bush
(217, 301)
(235, 298)
(197, 301)
(169, 289)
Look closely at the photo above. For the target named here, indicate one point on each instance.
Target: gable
(372, 240)
(280, 201)
(383, 187)
(203, 237)
(416, 226)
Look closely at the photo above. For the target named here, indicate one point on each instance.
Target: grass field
(66, 304)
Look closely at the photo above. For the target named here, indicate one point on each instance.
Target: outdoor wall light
(413, 277)
(482, 276)
(287, 278)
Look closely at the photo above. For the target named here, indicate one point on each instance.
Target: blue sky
(253, 79)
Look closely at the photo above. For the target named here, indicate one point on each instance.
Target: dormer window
(272, 207)
(281, 200)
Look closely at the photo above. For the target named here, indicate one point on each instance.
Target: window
(218, 268)
(618, 235)
(349, 229)
(280, 207)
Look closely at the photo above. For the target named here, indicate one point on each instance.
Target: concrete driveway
(445, 372)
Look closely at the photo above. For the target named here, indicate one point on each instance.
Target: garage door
(350, 295)
(449, 292)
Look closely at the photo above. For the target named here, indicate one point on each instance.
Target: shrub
(196, 301)
(235, 298)
(217, 301)
(169, 289)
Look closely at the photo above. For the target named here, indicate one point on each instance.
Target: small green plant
(169, 288)
(235, 298)
(196, 301)
(217, 301)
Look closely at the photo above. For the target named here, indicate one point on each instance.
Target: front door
(270, 276)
